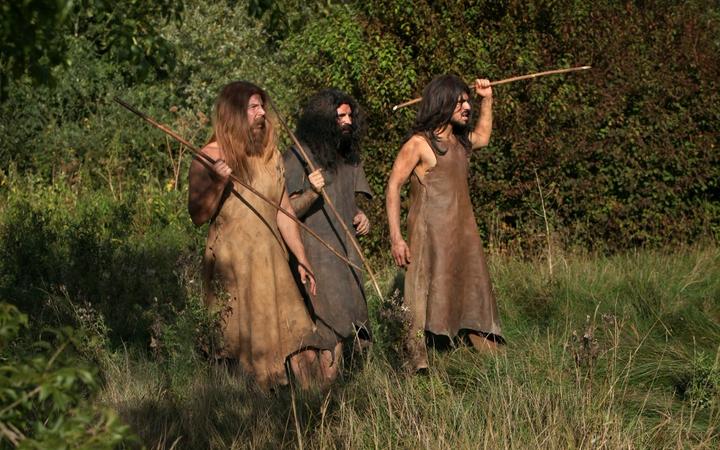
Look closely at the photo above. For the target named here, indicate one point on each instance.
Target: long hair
(439, 101)
(234, 134)
(317, 127)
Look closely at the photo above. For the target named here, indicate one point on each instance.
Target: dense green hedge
(122, 260)
(626, 154)
(47, 389)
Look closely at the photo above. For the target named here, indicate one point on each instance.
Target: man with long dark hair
(447, 285)
(330, 128)
(265, 323)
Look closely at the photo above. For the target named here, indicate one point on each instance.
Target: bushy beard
(256, 141)
(345, 139)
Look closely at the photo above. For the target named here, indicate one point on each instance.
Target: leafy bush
(122, 256)
(34, 36)
(45, 390)
(626, 153)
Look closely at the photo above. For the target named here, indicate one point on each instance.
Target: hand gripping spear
(351, 236)
(207, 162)
(507, 80)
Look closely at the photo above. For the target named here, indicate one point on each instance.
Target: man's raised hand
(316, 180)
(482, 88)
(220, 171)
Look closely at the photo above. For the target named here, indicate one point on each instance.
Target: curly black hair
(318, 129)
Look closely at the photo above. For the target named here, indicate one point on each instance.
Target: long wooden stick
(208, 161)
(326, 197)
(506, 80)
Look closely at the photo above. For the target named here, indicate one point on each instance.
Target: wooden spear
(326, 197)
(208, 162)
(507, 80)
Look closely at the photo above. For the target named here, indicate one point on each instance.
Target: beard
(256, 142)
(345, 130)
(459, 127)
(345, 139)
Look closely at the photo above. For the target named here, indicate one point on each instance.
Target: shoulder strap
(433, 144)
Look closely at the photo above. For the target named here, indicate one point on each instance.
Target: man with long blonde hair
(266, 325)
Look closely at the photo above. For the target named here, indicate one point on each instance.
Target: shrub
(45, 391)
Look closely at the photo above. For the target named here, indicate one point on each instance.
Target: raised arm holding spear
(506, 80)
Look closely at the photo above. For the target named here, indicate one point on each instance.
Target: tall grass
(608, 352)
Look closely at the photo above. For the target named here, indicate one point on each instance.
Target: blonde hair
(234, 134)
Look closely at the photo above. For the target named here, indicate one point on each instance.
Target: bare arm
(480, 136)
(290, 232)
(206, 185)
(301, 202)
(405, 162)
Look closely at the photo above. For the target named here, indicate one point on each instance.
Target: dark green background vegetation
(93, 227)
(626, 154)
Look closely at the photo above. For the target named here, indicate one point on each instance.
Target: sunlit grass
(617, 352)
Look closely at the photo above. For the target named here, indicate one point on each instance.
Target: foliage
(283, 19)
(702, 387)
(215, 44)
(30, 42)
(624, 152)
(118, 255)
(44, 391)
(35, 33)
(75, 134)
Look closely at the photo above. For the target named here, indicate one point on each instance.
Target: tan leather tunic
(247, 277)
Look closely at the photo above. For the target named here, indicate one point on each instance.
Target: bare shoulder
(415, 155)
(416, 141)
(414, 147)
(421, 148)
(213, 150)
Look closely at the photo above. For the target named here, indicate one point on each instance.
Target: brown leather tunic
(247, 277)
(447, 285)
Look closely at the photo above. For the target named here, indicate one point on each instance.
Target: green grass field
(605, 352)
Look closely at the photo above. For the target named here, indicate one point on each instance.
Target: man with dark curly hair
(330, 128)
